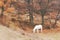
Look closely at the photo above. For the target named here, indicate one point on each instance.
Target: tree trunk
(2, 11)
(31, 18)
(42, 19)
(43, 11)
(29, 7)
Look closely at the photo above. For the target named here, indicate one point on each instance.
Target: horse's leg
(34, 30)
(41, 29)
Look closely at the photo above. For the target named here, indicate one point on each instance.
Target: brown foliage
(1, 4)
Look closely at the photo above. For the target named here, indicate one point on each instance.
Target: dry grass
(8, 34)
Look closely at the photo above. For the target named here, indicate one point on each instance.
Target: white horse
(37, 27)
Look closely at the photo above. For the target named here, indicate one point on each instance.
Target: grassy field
(8, 34)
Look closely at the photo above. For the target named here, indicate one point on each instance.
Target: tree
(2, 7)
(29, 7)
(55, 5)
(44, 6)
(56, 19)
(42, 14)
(5, 4)
(2, 11)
